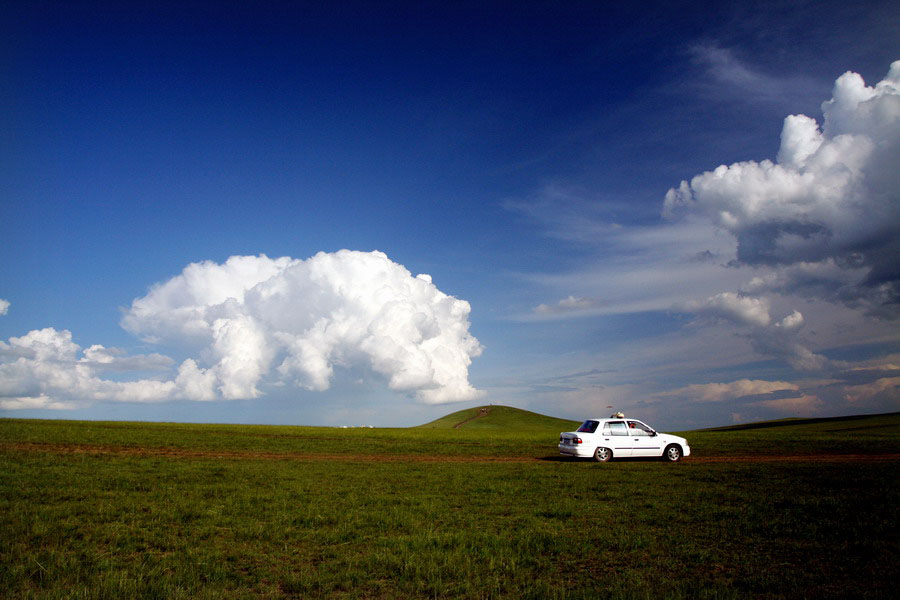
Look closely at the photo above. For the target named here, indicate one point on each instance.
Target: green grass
(99, 510)
(864, 434)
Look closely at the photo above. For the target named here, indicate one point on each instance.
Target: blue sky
(529, 157)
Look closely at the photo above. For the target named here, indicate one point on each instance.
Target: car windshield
(588, 427)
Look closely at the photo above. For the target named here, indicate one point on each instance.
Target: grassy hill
(865, 434)
(504, 418)
(847, 423)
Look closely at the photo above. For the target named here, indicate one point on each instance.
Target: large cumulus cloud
(254, 320)
(824, 217)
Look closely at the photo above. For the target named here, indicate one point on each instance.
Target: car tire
(672, 453)
(602, 454)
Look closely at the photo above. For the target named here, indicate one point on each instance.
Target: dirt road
(170, 452)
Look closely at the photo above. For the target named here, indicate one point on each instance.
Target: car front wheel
(602, 454)
(672, 453)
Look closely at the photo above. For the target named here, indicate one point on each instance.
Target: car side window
(637, 428)
(618, 428)
(606, 429)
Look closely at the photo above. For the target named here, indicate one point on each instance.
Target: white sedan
(618, 437)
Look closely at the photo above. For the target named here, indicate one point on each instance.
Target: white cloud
(186, 306)
(572, 304)
(830, 201)
(45, 345)
(779, 339)
(46, 369)
(729, 72)
(820, 223)
(792, 321)
(804, 405)
(4, 306)
(646, 268)
(727, 77)
(195, 383)
(115, 359)
(732, 307)
(32, 402)
(824, 280)
(885, 386)
(254, 321)
(718, 392)
(299, 319)
(752, 250)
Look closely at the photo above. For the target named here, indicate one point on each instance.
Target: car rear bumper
(572, 450)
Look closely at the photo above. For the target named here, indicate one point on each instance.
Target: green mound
(500, 418)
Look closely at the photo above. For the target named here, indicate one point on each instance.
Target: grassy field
(153, 510)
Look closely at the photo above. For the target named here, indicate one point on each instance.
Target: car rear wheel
(672, 453)
(602, 454)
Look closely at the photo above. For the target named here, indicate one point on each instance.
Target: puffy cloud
(243, 354)
(186, 307)
(45, 365)
(254, 320)
(830, 202)
(300, 318)
(44, 345)
(792, 321)
(732, 307)
(718, 392)
(195, 383)
(4, 306)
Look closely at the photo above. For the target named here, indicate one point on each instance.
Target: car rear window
(588, 427)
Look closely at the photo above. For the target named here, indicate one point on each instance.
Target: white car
(618, 437)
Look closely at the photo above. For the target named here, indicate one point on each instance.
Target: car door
(615, 435)
(644, 441)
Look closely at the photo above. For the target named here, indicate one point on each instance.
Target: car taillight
(576, 441)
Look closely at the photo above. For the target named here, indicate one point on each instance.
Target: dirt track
(92, 449)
